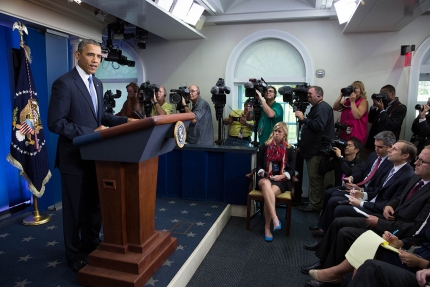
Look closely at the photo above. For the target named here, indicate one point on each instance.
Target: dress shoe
(313, 246)
(314, 283)
(308, 208)
(268, 239)
(314, 274)
(318, 233)
(314, 227)
(305, 269)
(77, 265)
(277, 227)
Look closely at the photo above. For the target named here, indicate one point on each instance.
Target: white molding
(258, 36)
(420, 54)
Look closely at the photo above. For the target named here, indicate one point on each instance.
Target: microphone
(249, 85)
(285, 90)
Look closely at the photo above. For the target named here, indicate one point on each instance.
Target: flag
(28, 146)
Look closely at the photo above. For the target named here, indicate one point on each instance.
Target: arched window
(278, 57)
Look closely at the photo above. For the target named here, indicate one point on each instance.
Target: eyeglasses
(421, 161)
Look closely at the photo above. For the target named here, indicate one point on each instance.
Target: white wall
(373, 58)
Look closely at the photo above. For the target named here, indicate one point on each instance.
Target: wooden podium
(127, 164)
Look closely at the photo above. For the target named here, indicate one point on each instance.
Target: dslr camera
(297, 97)
(420, 107)
(109, 100)
(347, 91)
(381, 96)
(327, 144)
(338, 128)
(146, 92)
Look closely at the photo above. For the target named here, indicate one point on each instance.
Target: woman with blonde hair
(275, 169)
(354, 112)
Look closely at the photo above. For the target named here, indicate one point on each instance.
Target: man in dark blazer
(386, 115)
(406, 213)
(76, 108)
(383, 141)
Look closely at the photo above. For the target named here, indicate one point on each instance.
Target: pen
(394, 233)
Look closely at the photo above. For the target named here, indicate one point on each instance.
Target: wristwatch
(341, 157)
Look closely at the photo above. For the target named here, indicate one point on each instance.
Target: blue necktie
(93, 94)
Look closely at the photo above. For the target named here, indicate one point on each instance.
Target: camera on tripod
(327, 144)
(109, 100)
(297, 97)
(346, 92)
(219, 92)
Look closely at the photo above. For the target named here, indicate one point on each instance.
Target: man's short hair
(357, 143)
(387, 137)
(247, 102)
(85, 42)
(274, 89)
(390, 88)
(408, 148)
(318, 90)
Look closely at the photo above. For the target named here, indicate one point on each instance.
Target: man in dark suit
(386, 115)
(76, 108)
(376, 160)
(406, 213)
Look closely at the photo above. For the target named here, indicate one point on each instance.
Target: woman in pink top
(354, 108)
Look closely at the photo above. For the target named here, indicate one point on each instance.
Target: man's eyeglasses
(421, 161)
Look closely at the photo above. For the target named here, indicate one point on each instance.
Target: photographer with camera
(201, 130)
(421, 127)
(272, 113)
(131, 103)
(354, 114)
(343, 165)
(386, 114)
(159, 104)
(318, 123)
(241, 126)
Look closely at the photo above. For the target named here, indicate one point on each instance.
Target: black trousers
(374, 273)
(81, 214)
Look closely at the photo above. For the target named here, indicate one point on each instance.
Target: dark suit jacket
(71, 114)
(422, 130)
(390, 120)
(378, 178)
(409, 214)
(393, 188)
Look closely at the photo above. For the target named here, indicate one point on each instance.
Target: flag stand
(36, 218)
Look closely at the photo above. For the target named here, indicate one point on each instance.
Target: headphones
(198, 93)
(318, 95)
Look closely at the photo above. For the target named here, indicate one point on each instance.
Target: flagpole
(36, 218)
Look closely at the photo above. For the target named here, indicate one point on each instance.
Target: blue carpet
(35, 256)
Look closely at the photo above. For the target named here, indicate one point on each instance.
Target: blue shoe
(268, 239)
(277, 227)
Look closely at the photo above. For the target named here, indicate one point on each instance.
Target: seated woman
(417, 258)
(354, 116)
(275, 169)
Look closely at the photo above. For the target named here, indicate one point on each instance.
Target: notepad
(361, 212)
(386, 245)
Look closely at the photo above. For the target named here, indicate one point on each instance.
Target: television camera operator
(343, 164)
(319, 122)
(131, 103)
(421, 127)
(386, 114)
(152, 99)
(159, 104)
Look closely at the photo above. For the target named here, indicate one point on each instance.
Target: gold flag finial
(21, 30)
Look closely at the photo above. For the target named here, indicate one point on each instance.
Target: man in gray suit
(76, 108)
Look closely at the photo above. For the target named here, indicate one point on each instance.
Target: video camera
(146, 95)
(297, 97)
(218, 98)
(253, 85)
(109, 100)
(176, 96)
(327, 144)
(347, 91)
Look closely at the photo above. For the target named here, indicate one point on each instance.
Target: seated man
(241, 126)
(400, 154)
(343, 165)
(371, 176)
(405, 213)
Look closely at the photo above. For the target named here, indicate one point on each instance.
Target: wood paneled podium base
(133, 268)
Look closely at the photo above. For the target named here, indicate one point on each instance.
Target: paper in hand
(361, 212)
